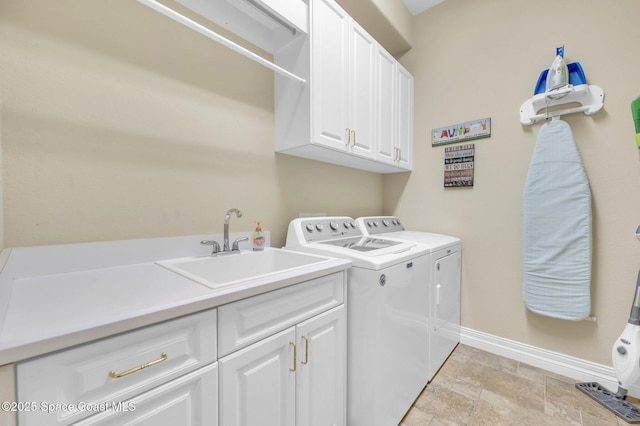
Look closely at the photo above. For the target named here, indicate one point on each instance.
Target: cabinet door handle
(295, 357)
(348, 137)
(115, 375)
(354, 137)
(306, 350)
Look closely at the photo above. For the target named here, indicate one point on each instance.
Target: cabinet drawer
(68, 381)
(247, 321)
(190, 400)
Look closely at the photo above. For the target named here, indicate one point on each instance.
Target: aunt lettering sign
(461, 132)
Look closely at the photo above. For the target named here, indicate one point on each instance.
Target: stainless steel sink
(224, 270)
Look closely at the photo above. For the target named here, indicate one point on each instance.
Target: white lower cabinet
(277, 358)
(295, 377)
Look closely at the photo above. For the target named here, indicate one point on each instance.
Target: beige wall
(473, 60)
(118, 123)
(389, 22)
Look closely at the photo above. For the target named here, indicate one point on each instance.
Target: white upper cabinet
(361, 72)
(342, 83)
(329, 86)
(395, 112)
(357, 108)
(386, 106)
(404, 115)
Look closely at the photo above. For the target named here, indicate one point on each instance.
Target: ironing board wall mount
(590, 98)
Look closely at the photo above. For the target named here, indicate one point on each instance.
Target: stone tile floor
(478, 388)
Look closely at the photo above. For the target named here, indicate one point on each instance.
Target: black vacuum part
(621, 408)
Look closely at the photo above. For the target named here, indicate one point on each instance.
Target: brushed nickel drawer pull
(115, 375)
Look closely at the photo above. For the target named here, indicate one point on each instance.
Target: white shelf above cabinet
(269, 24)
(268, 37)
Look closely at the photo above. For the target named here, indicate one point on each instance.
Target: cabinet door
(386, 110)
(329, 66)
(190, 400)
(321, 380)
(361, 121)
(257, 386)
(405, 118)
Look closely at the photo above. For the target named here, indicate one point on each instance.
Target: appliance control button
(353, 224)
(309, 227)
(346, 225)
(375, 223)
(385, 222)
(319, 227)
(370, 223)
(333, 225)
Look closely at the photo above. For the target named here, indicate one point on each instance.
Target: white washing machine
(387, 324)
(444, 283)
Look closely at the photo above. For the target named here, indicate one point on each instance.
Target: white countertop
(54, 297)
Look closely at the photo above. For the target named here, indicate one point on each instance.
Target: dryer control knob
(385, 222)
(353, 224)
(333, 225)
(346, 225)
(370, 223)
(309, 227)
(319, 227)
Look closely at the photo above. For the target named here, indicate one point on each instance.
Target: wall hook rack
(590, 98)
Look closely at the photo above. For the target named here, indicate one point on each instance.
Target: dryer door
(445, 308)
(447, 291)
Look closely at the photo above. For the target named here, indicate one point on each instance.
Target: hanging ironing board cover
(556, 227)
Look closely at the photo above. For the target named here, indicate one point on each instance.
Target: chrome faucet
(227, 217)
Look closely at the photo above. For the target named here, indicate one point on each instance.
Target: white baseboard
(555, 362)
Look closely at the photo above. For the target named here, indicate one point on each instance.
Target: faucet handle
(216, 246)
(234, 247)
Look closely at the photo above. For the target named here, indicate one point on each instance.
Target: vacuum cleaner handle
(634, 316)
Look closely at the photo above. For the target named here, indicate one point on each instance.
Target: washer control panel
(328, 228)
(380, 224)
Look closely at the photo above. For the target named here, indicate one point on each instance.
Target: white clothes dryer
(387, 325)
(444, 283)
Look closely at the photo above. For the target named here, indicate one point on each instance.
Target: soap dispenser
(257, 239)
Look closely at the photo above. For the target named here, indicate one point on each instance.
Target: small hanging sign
(458, 165)
(461, 132)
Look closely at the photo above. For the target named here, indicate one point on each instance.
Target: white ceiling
(419, 6)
